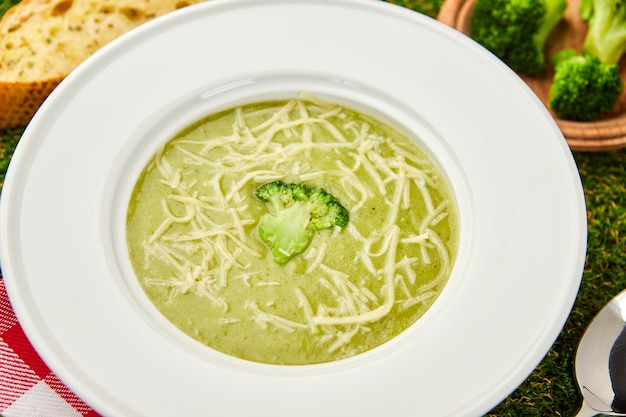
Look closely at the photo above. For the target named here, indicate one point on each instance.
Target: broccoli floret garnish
(295, 213)
(516, 30)
(584, 87)
(606, 29)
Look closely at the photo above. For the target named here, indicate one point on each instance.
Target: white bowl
(518, 195)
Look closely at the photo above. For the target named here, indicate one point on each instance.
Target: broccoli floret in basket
(516, 30)
(295, 213)
(583, 87)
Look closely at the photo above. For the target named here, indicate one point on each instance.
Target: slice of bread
(41, 41)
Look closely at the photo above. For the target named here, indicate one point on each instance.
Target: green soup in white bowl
(197, 251)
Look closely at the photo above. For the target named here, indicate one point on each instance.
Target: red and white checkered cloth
(27, 386)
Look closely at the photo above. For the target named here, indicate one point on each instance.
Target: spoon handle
(586, 411)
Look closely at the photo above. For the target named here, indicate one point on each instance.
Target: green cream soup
(193, 238)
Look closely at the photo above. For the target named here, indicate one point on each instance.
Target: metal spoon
(601, 361)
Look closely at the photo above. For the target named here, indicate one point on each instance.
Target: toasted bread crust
(42, 41)
(20, 100)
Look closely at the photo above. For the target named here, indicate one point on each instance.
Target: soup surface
(193, 238)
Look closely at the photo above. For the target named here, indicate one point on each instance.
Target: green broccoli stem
(608, 44)
(287, 233)
(606, 31)
(563, 56)
(555, 9)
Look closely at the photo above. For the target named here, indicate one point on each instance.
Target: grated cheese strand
(263, 318)
(306, 307)
(389, 294)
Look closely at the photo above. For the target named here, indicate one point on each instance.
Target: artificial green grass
(6, 5)
(8, 142)
(551, 389)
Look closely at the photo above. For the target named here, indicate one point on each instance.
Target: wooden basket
(609, 131)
